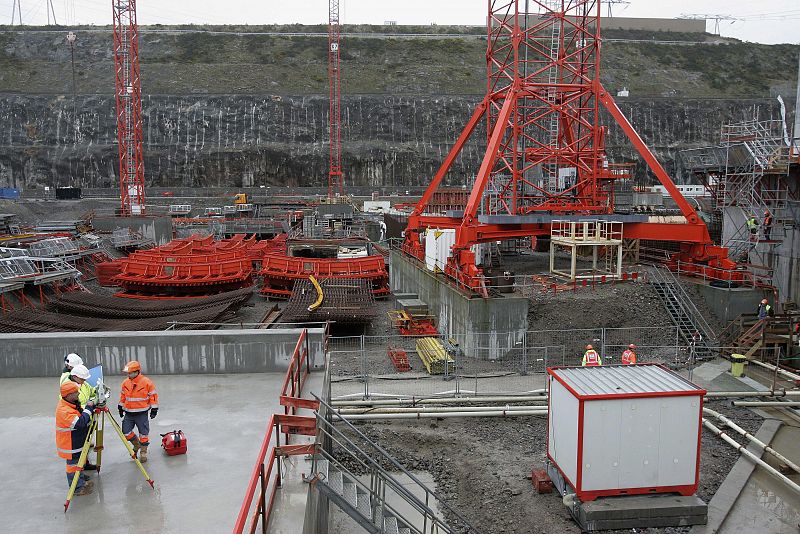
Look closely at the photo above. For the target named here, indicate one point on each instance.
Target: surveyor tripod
(96, 427)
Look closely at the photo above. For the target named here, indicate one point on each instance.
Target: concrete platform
(645, 511)
(223, 416)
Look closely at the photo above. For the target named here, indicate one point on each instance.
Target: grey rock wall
(246, 140)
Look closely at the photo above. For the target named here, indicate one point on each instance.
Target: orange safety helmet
(589, 347)
(68, 387)
(631, 346)
(131, 367)
(764, 301)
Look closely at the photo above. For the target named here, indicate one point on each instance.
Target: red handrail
(290, 398)
(255, 477)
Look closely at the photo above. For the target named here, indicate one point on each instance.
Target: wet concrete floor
(223, 416)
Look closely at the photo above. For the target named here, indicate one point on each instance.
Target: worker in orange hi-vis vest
(591, 358)
(138, 396)
(629, 356)
(72, 427)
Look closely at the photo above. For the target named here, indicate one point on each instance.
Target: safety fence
(484, 363)
(266, 476)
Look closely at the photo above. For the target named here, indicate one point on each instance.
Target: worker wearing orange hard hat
(591, 358)
(629, 355)
(138, 396)
(72, 427)
(765, 310)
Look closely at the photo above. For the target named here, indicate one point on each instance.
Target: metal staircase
(682, 311)
(756, 166)
(354, 473)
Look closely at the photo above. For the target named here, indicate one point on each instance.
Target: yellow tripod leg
(129, 447)
(81, 461)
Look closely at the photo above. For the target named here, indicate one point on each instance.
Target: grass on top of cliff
(250, 62)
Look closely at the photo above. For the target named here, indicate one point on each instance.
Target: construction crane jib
(129, 107)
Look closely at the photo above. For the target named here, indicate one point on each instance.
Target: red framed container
(624, 430)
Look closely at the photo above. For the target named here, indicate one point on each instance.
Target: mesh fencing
(483, 363)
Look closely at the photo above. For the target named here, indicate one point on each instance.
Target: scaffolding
(754, 184)
(601, 236)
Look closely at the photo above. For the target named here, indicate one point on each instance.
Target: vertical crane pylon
(129, 107)
(335, 176)
(545, 155)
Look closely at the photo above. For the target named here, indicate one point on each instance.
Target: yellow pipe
(317, 303)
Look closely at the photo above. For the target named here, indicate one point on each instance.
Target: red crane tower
(129, 107)
(335, 178)
(545, 147)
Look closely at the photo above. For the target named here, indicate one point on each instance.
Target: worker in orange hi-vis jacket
(138, 396)
(72, 427)
(591, 358)
(629, 355)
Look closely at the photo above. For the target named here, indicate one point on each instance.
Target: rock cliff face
(249, 140)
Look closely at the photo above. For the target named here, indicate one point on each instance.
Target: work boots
(136, 444)
(143, 454)
(86, 489)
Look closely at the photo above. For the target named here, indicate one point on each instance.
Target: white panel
(602, 445)
(563, 429)
(445, 239)
(430, 249)
(639, 443)
(680, 418)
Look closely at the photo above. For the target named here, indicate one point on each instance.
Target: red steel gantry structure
(545, 147)
(129, 107)
(335, 178)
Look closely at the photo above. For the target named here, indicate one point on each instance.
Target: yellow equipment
(434, 356)
(240, 198)
(317, 303)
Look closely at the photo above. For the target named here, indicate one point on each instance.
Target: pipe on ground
(438, 409)
(537, 395)
(733, 426)
(782, 372)
(443, 415)
(782, 404)
(768, 393)
(752, 457)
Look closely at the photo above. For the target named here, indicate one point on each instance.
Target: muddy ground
(482, 467)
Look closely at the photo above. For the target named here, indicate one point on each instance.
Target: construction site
(529, 303)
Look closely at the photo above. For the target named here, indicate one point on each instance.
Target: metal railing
(371, 457)
(266, 475)
(485, 363)
(674, 290)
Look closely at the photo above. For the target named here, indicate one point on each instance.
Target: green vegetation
(243, 59)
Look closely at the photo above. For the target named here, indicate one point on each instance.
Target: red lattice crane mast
(129, 107)
(335, 177)
(545, 147)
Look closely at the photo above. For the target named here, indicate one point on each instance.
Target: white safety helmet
(80, 371)
(73, 360)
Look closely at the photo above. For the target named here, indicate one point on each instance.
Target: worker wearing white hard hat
(70, 361)
(86, 395)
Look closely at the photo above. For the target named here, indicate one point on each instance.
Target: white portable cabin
(624, 430)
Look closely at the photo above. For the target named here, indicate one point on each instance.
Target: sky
(765, 21)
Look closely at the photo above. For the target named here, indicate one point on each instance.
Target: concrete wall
(728, 304)
(504, 319)
(166, 352)
(159, 229)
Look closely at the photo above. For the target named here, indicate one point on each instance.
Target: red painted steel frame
(129, 107)
(545, 144)
(590, 495)
(335, 177)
